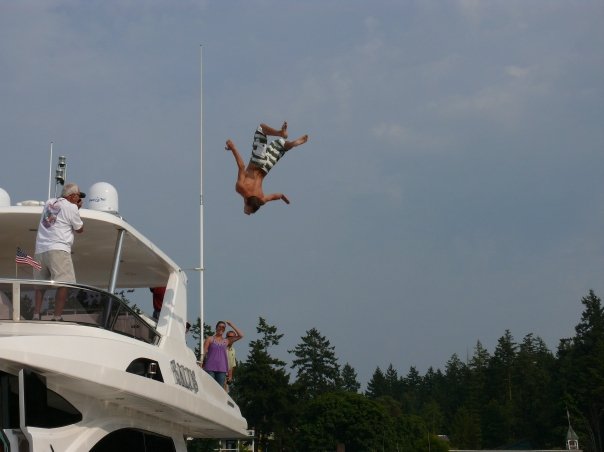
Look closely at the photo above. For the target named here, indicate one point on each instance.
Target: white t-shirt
(59, 219)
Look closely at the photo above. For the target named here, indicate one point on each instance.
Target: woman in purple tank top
(215, 351)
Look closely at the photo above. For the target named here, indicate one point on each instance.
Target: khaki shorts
(56, 266)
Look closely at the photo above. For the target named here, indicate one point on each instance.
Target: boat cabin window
(9, 401)
(44, 408)
(134, 440)
(146, 368)
(6, 306)
(84, 305)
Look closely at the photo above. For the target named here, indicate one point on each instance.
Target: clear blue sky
(451, 187)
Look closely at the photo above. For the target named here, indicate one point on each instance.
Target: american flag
(23, 258)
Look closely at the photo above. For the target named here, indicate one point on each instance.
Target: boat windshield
(83, 305)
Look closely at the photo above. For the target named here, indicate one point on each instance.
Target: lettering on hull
(184, 376)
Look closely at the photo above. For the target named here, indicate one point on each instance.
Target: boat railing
(84, 305)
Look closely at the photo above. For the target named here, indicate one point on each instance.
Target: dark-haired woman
(215, 351)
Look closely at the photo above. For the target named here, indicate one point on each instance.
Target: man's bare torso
(249, 182)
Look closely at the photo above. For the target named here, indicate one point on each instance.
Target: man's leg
(37, 308)
(60, 298)
(268, 130)
(61, 270)
(297, 142)
(42, 273)
(277, 149)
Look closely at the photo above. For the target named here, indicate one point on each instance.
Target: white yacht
(105, 378)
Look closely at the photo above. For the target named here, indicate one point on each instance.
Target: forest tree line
(522, 395)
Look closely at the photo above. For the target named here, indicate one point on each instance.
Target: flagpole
(201, 268)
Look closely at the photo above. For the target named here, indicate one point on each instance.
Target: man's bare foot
(297, 142)
(283, 133)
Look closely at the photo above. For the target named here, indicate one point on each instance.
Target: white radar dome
(103, 196)
(4, 198)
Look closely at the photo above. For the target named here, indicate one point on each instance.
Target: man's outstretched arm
(276, 197)
(230, 146)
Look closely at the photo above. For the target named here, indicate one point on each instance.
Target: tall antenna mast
(50, 172)
(201, 269)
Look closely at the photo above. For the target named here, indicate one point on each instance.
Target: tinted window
(145, 368)
(9, 401)
(45, 408)
(134, 441)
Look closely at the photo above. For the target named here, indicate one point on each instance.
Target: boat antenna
(50, 172)
(201, 269)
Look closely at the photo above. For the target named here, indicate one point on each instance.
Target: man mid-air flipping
(264, 156)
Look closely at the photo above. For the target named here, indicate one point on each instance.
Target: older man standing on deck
(60, 219)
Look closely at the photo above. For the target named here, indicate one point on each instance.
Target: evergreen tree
(432, 394)
(502, 366)
(413, 435)
(518, 395)
(262, 389)
(430, 385)
(496, 425)
(411, 389)
(203, 445)
(344, 418)
(433, 417)
(317, 367)
(497, 415)
(456, 379)
(393, 386)
(478, 376)
(349, 379)
(376, 387)
(465, 432)
(581, 361)
(535, 404)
